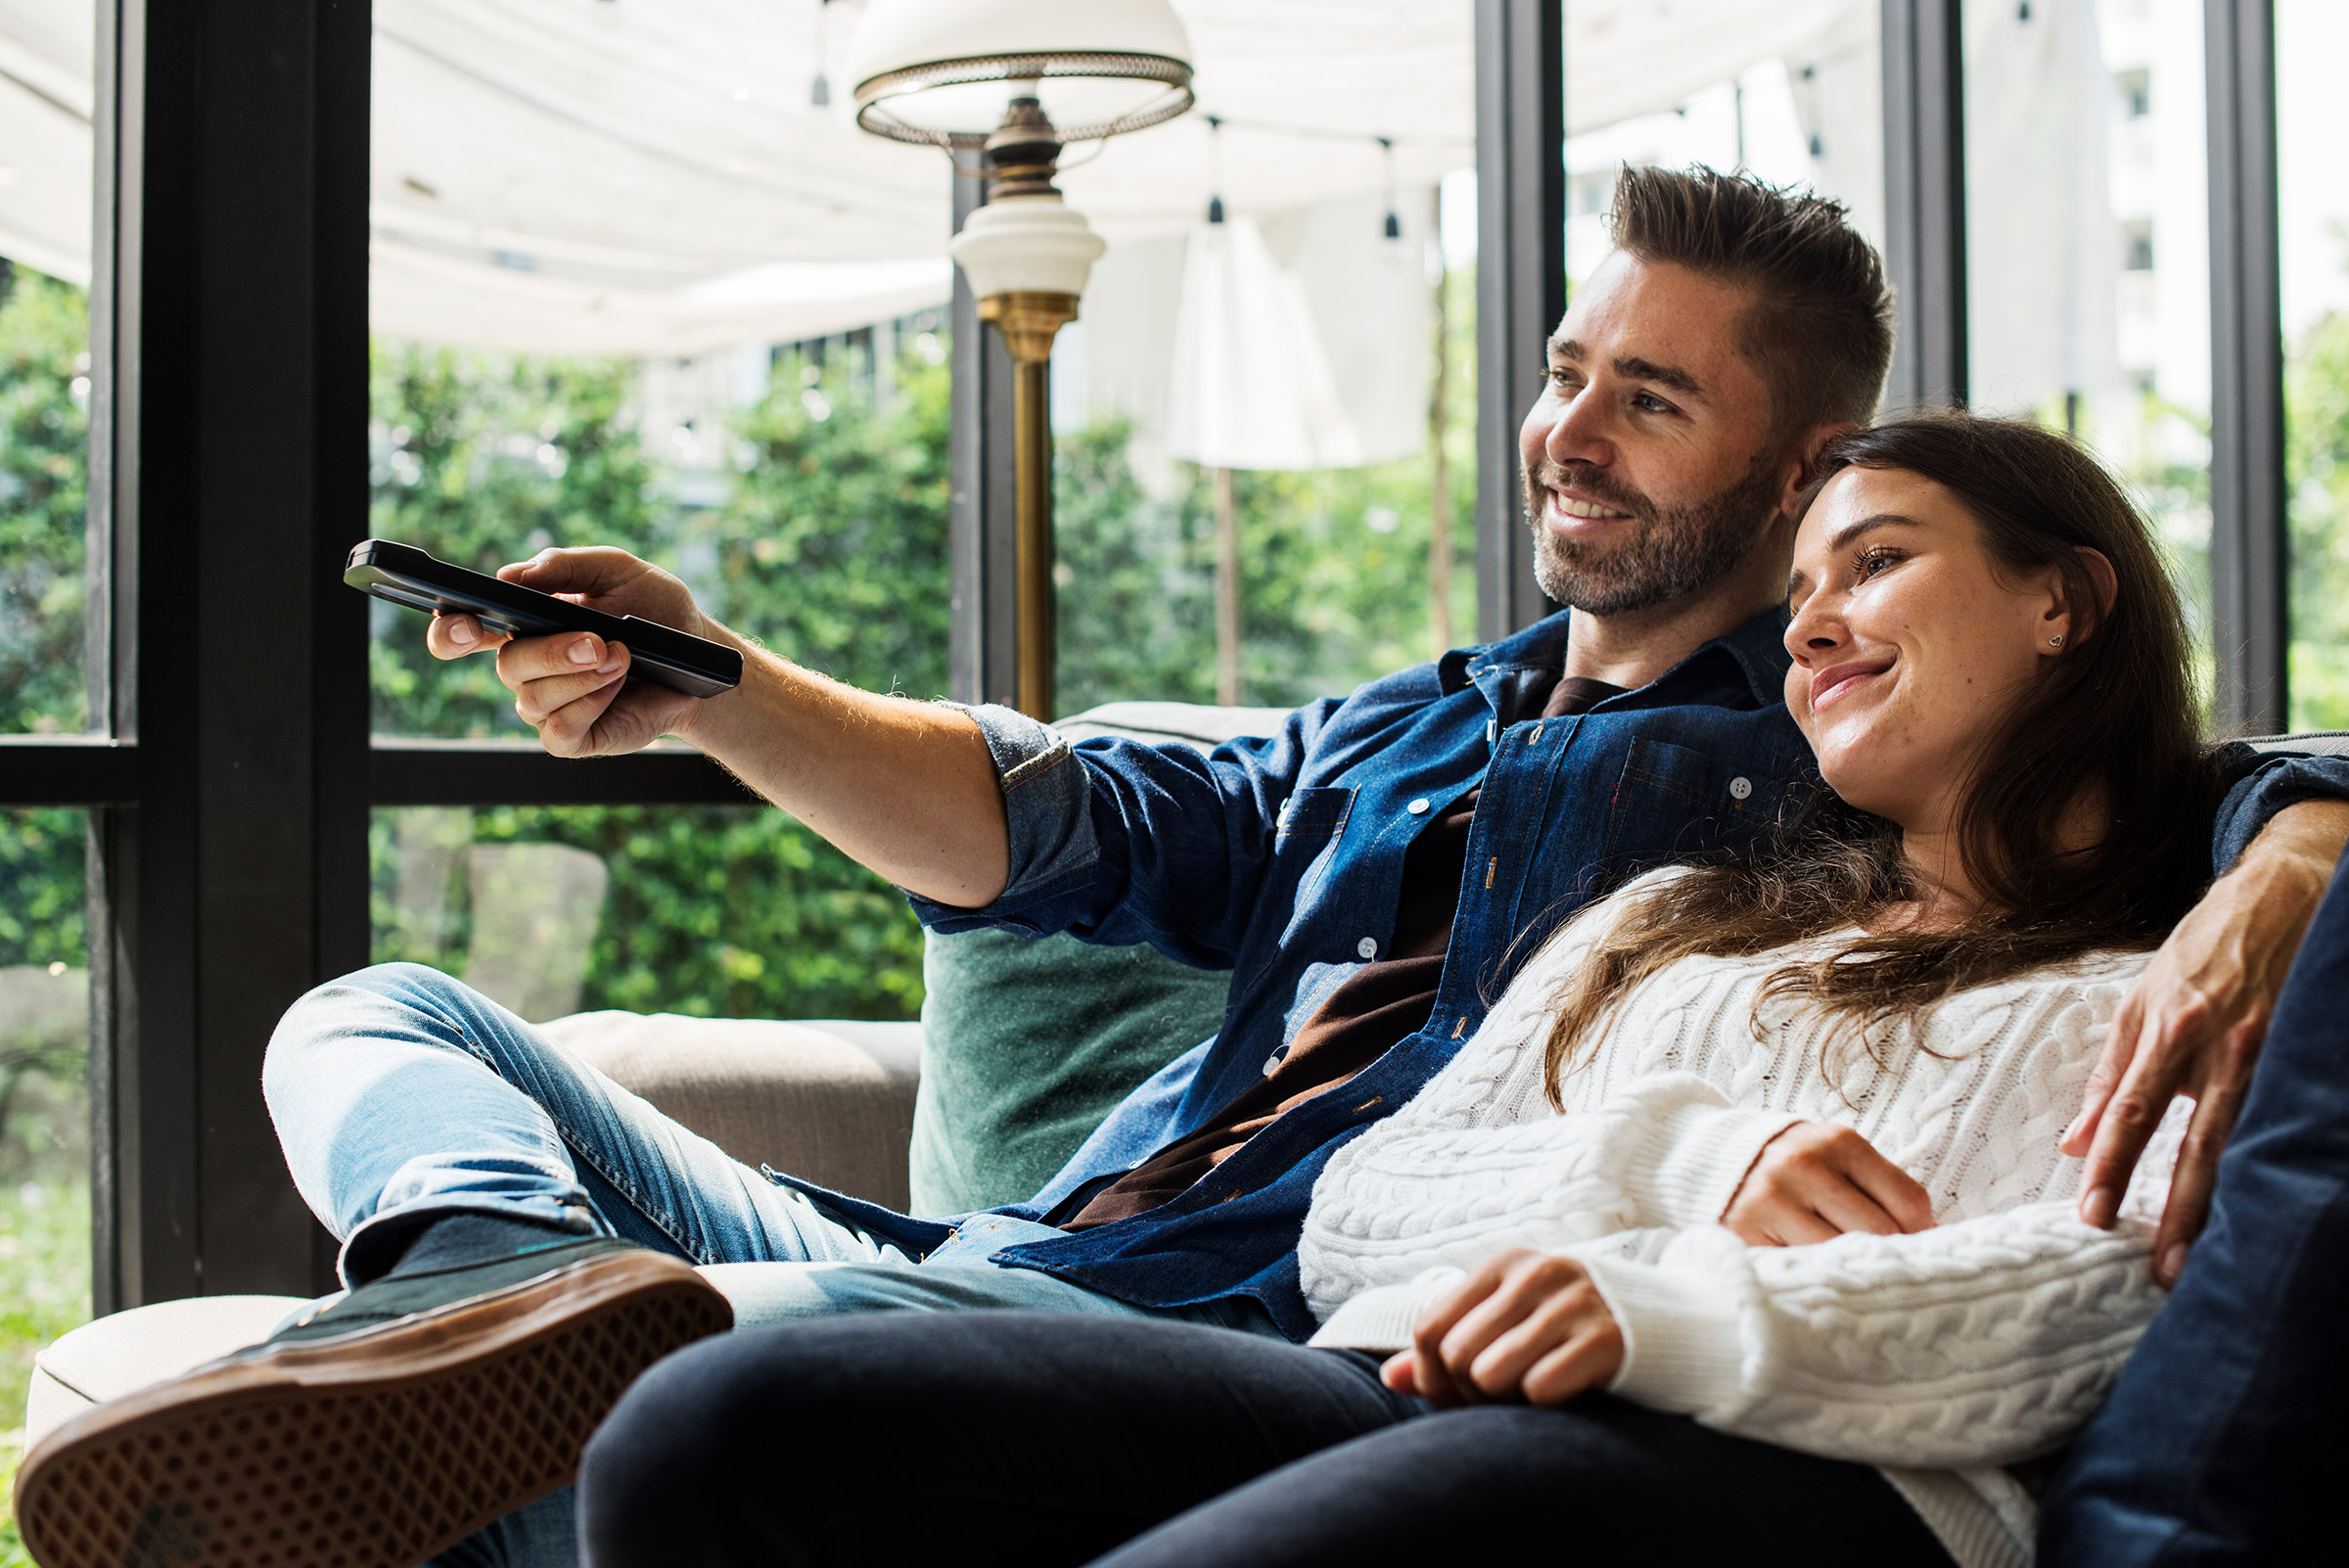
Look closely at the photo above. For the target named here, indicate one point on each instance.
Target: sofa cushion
(827, 1099)
(1029, 1044)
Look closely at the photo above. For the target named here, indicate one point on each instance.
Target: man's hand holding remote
(907, 788)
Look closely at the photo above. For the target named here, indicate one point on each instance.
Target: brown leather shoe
(374, 1434)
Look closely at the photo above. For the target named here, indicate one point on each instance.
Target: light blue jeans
(401, 1096)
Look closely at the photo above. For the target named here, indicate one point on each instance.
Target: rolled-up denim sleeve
(1047, 799)
(2264, 785)
(1121, 841)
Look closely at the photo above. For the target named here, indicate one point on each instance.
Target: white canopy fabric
(601, 177)
(1251, 386)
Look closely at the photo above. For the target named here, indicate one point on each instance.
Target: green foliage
(2316, 481)
(484, 459)
(44, 1291)
(44, 424)
(1334, 565)
(42, 865)
(713, 911)
(832, 549)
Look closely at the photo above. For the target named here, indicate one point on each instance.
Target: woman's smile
(1828, 685)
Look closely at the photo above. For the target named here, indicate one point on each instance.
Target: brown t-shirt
(1375, 1008)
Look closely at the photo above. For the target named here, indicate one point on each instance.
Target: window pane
(44, 1101)
(2088, 255)
(713, 911)
(1793, 93)
(2312, 125)
(45, 187)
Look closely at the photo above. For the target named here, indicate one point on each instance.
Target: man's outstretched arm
(2195, 1022)
(907, 788)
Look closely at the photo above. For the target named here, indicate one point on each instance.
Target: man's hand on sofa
(2195, 1021)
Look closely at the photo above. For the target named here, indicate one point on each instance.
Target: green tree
(44, 429)
(2316, 482)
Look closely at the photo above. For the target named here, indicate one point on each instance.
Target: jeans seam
(667, 1224)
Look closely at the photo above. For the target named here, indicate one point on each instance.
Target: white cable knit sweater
(1939, 1355)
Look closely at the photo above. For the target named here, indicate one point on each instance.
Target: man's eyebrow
(1638, 369)
(1632, 367)
(1842, 537)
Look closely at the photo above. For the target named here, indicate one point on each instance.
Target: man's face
(1650, 468)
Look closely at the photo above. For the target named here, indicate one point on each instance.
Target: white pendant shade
(944, 69)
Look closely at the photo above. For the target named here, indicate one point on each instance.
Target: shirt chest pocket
(1311, 819)
(1671, 802)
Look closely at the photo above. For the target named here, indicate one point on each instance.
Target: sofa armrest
(830, 1100)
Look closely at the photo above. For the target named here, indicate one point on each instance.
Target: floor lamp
(1014, 80)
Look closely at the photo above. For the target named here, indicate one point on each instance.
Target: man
(1368, 874)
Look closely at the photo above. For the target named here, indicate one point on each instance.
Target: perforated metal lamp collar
(873, 94)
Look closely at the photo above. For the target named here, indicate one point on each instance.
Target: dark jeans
(2222, 1440)
(1032, 1439)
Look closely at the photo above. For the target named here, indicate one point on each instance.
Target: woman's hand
(1524, 1325)
(1814, 1183)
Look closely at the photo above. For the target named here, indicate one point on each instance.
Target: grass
(44, 1291)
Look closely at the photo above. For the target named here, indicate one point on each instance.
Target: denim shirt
(1282, 858)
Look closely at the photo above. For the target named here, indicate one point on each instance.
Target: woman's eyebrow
(1852, 530)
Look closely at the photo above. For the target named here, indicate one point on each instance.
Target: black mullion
(405, 772)
(93, 774)
(983, 648)
(2249, 545)
(1520, 279)
(1924, 201)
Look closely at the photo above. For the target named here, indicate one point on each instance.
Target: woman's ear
(2068, 623)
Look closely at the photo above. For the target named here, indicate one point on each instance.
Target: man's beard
(1673, 551)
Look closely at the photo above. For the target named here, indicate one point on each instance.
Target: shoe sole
(374, 1451)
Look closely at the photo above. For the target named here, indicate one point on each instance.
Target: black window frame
(230, 787)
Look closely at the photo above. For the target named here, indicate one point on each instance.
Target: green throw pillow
(1027, 1045)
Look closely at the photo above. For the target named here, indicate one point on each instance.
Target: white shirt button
(1740, 788)
(1272, 1064)
(1367, 946)
(1418, 808)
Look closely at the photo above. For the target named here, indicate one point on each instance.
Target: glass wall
(1793, 94)
(712, 911)
(2312, 37)
(2087, 244)
(45, 362)
(44, 1102)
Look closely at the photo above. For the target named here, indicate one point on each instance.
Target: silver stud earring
(2055, 641)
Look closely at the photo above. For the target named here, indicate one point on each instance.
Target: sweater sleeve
(1452, 1179)
(1977, 1343)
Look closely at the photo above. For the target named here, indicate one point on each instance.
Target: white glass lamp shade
(1026, 245)
(940, 71)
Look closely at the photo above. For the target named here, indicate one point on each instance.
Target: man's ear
(1804, 475)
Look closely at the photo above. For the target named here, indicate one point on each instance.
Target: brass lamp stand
(926, 74)
(1029, 321)
(1027, 255)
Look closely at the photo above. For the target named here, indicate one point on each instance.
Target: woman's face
(1908, 646)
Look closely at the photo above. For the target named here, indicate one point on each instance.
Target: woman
(1771, 1144)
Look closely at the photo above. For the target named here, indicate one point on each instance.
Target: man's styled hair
(1819, 330)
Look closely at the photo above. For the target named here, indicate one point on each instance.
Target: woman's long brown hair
(2112, 720)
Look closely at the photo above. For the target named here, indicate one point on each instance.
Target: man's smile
(1568, 512)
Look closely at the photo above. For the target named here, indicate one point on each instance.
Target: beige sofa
(829, 1100)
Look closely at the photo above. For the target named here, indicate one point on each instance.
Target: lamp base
(1029, 321)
